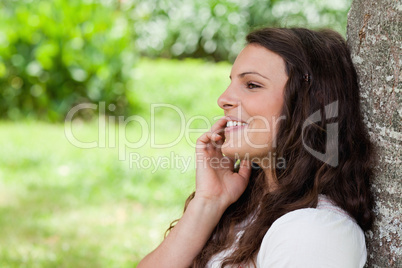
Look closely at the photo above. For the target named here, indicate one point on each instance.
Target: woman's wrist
(208, 207)
(188, 237)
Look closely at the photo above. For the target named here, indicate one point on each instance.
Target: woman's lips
(234, 125)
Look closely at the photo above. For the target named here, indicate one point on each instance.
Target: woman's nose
(228, 99)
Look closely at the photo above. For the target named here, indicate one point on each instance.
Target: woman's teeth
(234, 123)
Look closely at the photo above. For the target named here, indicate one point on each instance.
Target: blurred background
(107, 205)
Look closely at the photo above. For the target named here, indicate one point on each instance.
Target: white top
(320, 237)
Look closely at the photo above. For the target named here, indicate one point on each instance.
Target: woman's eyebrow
(246, 73)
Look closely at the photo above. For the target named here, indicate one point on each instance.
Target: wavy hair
(321, 72)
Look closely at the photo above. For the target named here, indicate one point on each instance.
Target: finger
(203, 140)
(215, 136)
(219, 126)
(245, 169)
(219, 142)
(226, 162)
(208, 138)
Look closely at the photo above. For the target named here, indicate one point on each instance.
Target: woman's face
(253, 102)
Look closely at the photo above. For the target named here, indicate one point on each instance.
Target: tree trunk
(374, 36)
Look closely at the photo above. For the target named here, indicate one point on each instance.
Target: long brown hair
(321, 73)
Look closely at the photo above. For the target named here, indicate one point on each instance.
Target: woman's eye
(251, 85)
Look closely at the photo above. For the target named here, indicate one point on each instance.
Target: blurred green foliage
(58, 53)
(55, 54)
(216, 29)
(64, 206)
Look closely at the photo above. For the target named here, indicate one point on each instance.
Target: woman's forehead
(256, 58)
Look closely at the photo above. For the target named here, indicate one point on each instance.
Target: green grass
(63, 206)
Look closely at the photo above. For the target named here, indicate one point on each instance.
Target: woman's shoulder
(326, 214)
(325, 236)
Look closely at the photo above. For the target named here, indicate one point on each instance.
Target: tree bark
(374, 37)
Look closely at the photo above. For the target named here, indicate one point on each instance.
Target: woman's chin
(245, 153)
(235, 153)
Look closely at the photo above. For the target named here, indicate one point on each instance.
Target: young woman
(300, 196)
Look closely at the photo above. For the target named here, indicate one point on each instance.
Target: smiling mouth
(231, 125)
(234, 124)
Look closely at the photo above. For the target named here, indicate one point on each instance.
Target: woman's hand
(216, 180)
(217, 186)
